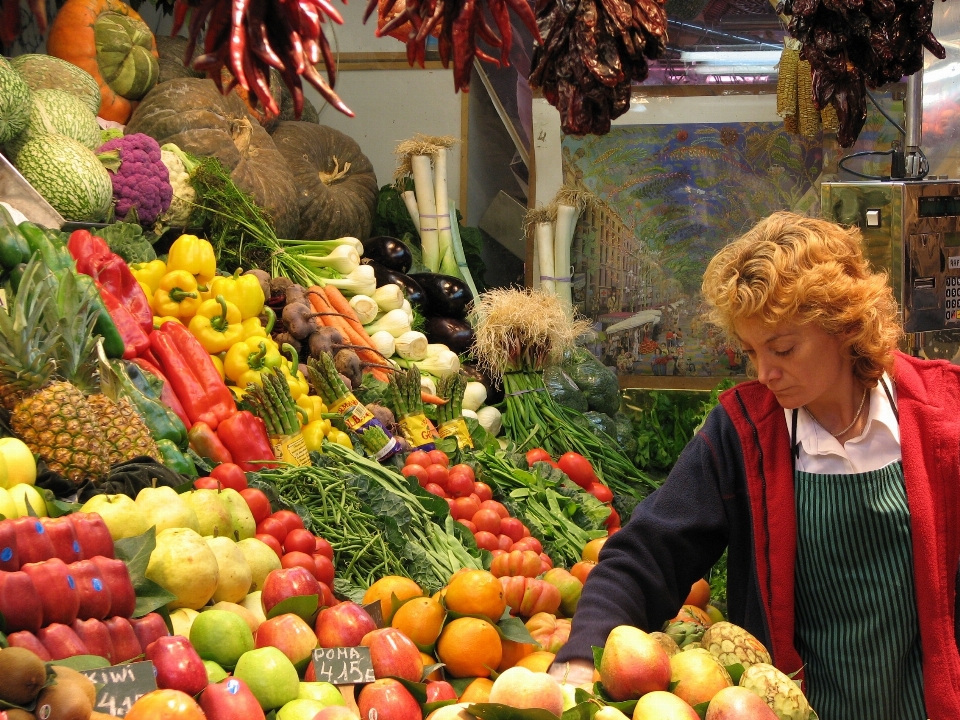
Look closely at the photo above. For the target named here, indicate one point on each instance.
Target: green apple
(121, 514)
(163, 508)
(248, 617)
(212, 514)
(221, 636)
(270, 675)
(234, 582)
(244, 526)
(261, 559)
(22, 493)
(185, 565)
(324, 692)
(21, 465)
(8, 508)
(215, 673)
(182, 619)
(300, 709)
(254, 604)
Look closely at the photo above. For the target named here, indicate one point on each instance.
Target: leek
(394, 322)
(410, 200)
(463, 268)
(389, 297)
(366, 309)
(544, 238)
(445, 215)
(563, 237)
(427, 207)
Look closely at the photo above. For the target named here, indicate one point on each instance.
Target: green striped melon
(68, 175)
(59, 112)
(48, 72)
(14, 102)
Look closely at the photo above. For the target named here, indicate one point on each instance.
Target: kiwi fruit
(22, 676)
(17, 714)
(64, 700)
(65, 674)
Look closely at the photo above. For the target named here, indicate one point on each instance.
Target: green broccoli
(598, 382)
(127, 241)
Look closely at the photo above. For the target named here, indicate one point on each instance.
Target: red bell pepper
(206, 444)
(135, 340)
(168, 396)
(245, 436)
(189, 369)
(88, 251)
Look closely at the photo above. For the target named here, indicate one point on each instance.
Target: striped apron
(856, 613)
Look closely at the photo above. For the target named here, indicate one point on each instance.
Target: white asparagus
(427, 207)
(410, 200)
(544, 237)
(563, 238)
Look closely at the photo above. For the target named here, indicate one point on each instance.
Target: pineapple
(778, 691)
(126, 434)
(733, 645)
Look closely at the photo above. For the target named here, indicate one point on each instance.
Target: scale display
(931, 207)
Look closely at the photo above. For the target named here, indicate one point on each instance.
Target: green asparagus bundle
(450, 414)
(325, 380)
(273, 403)
(403, 396)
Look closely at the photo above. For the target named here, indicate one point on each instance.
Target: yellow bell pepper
(218, 364)
(244, 291)
(340, 438)
(194, 255)
(299, 385)
(159, 320)
(250, 357)
(253, 327)
(147, 292)
(313, 434)
(217, 325)
(149, 273)
(177, 295)
(312, 405)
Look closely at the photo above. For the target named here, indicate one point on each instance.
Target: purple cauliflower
(141, 181)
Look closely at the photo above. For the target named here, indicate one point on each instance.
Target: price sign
(375, 611)
(122, 685)
(343, 666)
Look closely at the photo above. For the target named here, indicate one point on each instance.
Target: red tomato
(482, 491)
(326, 600)
(512, 528)
(323, 548)
(578, 469)
(528, 543)
(232, 476)
(299, 559)
(612, 521)
(291, 521)
(468, 525)
(504, 543)
(486, 540)
(418, 471)
(418, 457)
(459, 485)
(258, 503)
(498, 552)
(464, 468)
(538, 455)
(439, 457)
(494, 505)
(487, 519)
(613, 531)
(271, 542)
(468, 507)
(438, 475)
(526, 531)
(435, 489)
(300, 540)
(324, 569)
(601, 492)
(207, 483)
(273, 526)
(545, 563)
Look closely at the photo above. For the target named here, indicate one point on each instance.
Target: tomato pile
(579, 470)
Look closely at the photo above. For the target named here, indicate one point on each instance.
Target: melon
(14, 102)
(59, 112)
(68, 175)
(48, 72)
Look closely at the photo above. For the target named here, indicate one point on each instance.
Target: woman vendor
(832, 479)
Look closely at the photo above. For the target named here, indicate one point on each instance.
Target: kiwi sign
(120, 686)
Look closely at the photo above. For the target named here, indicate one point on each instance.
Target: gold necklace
(853, 422)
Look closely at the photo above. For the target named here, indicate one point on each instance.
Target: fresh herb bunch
(274, 404)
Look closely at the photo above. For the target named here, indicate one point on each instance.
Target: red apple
(291, 636)
(440, 690)
(29, 641)
(300, 540)
(149, 628)
(258, 503)
(125, 643)
(95, 600)
(335, 712)
(56, 589)
(633, 664)
(33, 543)
(93, 534)
(287, 583)
(9, 559)
(19, 602)
(61, 641)
(388, 700)
(116, 576)
(230, 476)
(177, 664)
(271, 542)
(95, 636)
(229, 700)
(343, 625)
(393, 654)
(62, 534)
(291, 521)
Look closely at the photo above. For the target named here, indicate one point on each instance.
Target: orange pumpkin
(72, 38)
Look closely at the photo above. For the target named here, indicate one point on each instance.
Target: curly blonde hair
(796, 269)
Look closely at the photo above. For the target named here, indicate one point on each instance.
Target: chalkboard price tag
(122, 686)
(375, 611)
(343, 666)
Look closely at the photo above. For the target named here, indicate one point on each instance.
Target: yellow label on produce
(417, 430)
(458, 428)
(291, 449)
(355, 414)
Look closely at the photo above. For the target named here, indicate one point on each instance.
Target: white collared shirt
(876, 447)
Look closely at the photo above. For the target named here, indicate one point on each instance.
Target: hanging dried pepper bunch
(248, 37)
(592, 51)
(457, 25)
(854, 44)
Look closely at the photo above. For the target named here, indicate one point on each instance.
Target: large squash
(336, 185)
(194, 116)
(109, 40)
(171, 51)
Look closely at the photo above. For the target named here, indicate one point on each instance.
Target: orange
(470, 647)
(429, 660)
(385, 587)
(476, 592)
(421, 620)
(165, 705)
(699, 594)
(591, 551)
(477, 692)
(537, 662)
(513, 652)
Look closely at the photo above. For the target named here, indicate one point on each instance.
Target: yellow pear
(244, 526)
(182, 620)
(163, 508)
(22, 493)
(261, 558)
(121, 514)
(184, 564)
(21, 465)
(234, 582)
(8, 508)
(212, 514)
(254, 604)
(248, 617)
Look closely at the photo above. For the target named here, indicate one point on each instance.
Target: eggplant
(494, 390)
(456, 334)
(389, 252)
(446, 296)
(411, 288)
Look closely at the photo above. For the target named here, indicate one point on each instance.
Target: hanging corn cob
(795, 103)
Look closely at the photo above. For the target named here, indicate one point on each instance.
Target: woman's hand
(575, 672)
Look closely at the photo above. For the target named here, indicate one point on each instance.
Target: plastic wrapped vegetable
(140, 180)
(563, 389)
(598, 382)
(626, 434)
(602, 426)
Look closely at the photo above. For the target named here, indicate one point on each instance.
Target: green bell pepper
(54, 254)
(13, 246)
(161, 420)
(176, 460)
